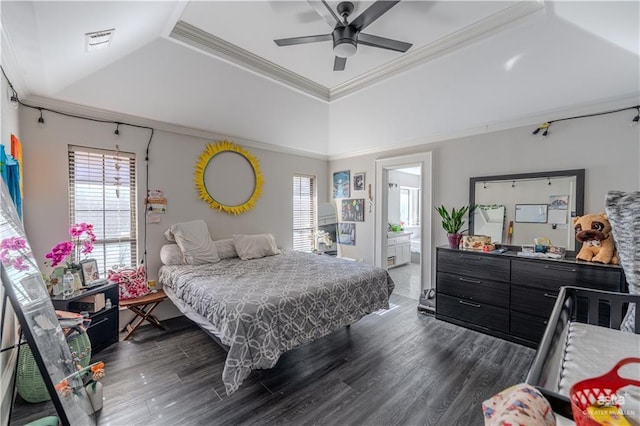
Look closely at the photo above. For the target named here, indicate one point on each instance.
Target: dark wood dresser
(509, 296)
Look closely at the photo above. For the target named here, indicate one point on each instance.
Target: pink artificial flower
(82, 239)
(87, 247)
(19, 264)
(5, 258)
(59, 252)
(14, 243)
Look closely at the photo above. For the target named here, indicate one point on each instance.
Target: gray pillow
(170, 254)
(225, 248)
(623, 211)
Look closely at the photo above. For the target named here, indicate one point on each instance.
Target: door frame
(383, 165)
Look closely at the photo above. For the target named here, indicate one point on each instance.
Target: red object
(603, 388)
(132, 283)
(510, 232)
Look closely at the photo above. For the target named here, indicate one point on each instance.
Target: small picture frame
(90, 272)
(358, 181)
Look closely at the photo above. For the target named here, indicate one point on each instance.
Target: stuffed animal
(594, 232)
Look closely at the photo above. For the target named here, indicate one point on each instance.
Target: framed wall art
(347, 234)
(358, 181)
(341, 184)
(353, 210)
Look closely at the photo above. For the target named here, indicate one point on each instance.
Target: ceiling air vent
(98, 39)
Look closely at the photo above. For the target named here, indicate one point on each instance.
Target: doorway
(403, 221)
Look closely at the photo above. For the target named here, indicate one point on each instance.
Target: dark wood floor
(400, 368)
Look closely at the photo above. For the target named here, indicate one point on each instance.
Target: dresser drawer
(480, 314)
(490, 267)
(534, 301)
(552, 275)
(103, 329)
(528, 327)
(471, 288)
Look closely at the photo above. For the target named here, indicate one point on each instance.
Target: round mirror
(228, 177)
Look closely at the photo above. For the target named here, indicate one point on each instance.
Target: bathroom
(403, 238)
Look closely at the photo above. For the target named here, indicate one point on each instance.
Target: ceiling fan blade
(383, 43)
(339, 63)
(375, 11)
(321, 7)
(302, 40)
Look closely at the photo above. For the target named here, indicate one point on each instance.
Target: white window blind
(304, 212)
(102, 192)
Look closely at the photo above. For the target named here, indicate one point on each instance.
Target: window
(410, 206)
(102, 192)
(304, 212)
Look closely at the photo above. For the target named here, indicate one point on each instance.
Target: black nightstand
(103, 329)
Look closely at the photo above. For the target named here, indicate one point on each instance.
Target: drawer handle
(467, 280)
(466, 256)
(473, 305)
(558, 268)
(94, 324)
(550, 296)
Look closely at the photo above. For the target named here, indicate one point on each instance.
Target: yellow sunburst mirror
(228, 177)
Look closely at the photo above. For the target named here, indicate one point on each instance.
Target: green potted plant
(452, 222)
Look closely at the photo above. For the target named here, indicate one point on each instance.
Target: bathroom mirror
(23, 284)
(540, 204)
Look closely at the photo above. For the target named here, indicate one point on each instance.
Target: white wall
(172, 159)
(606, 146)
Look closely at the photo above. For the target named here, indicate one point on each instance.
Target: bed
(260, 308)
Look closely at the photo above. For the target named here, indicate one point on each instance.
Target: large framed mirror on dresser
(516, 208)
(510, 294)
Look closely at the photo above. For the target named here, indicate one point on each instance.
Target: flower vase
(77, 279)
(94, 392)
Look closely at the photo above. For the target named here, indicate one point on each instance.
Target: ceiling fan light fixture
(345, 41)
(345, 49)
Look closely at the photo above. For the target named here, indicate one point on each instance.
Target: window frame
(311, 212)
(102, 243)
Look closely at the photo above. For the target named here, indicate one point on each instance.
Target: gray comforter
(264, 307)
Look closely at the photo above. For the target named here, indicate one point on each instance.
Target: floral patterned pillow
(521, 404)
(132, 283)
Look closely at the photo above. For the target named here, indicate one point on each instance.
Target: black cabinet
(509, 296)
(103, 329)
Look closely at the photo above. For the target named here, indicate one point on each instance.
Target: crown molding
(102, 114)
(202, 40)
(468, 35)
(532, 120)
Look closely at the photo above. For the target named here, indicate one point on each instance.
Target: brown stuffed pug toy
(594, 232)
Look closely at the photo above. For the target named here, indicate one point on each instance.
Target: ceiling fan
(347, 35)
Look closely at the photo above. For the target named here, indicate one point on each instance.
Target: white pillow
(225, 248)
(194, 241)
(170, 254)
(255, 246)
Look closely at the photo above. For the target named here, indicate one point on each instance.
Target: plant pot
(454, 240)
(94, 392)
